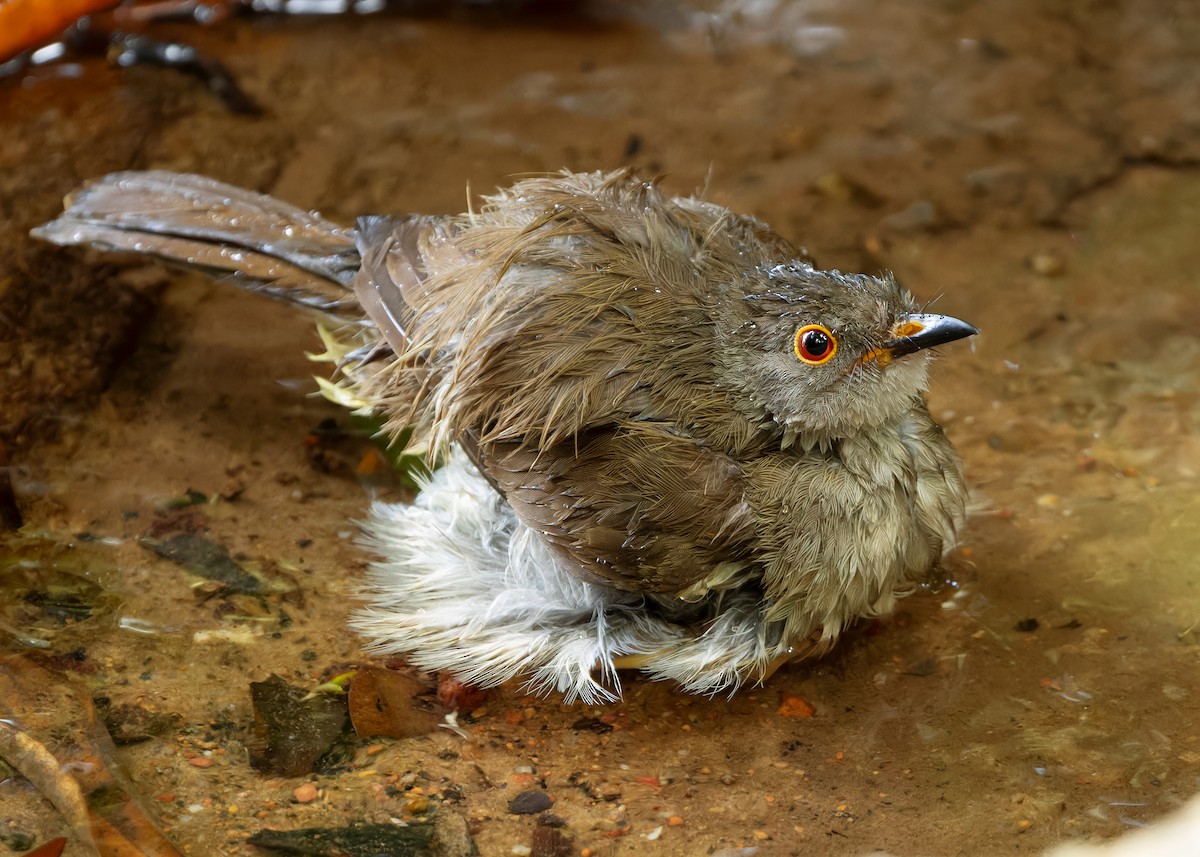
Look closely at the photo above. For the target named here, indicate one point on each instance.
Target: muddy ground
(1030, 167)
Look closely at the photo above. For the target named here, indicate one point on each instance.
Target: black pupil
(816, 344)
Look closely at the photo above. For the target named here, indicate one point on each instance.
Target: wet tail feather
(261, 243)
(391, 266)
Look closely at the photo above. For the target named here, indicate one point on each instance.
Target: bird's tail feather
(261, 243)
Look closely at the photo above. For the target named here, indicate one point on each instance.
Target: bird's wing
(583, 427)
(569, 343)
(633, 504)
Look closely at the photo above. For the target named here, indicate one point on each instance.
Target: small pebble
(530, 803)
(201, 762)
(921, 215)
(795, 706)
(1004, 182)
(833, 186)
(306, 793)
(1047, 263)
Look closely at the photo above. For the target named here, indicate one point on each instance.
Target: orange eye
(815, 345)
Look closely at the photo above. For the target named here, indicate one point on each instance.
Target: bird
(666, 440)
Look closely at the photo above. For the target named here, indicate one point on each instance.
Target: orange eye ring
(815, 344)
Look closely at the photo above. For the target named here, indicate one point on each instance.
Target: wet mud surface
(1030, 169)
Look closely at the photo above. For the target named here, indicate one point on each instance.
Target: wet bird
(669, 441)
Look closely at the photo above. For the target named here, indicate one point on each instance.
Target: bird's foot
(779, 660)
(632, 662)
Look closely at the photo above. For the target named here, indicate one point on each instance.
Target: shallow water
(1014, 166)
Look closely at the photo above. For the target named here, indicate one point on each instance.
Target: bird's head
(825, 354)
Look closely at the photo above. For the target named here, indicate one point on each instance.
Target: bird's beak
(916, 331)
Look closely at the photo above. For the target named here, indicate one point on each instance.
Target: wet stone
(530, 803)
(1005, 183)
(921, 215)
(591, 724)
(17, 840)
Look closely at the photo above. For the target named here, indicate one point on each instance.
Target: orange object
(27, 24)
(305, 793)
(51, 849)
(795, 706)
(370, 464)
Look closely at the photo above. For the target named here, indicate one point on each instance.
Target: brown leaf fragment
(292, 732)
(549, 842)
(53, 848)
(206, 558)
(391, 704)
(361, 840)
